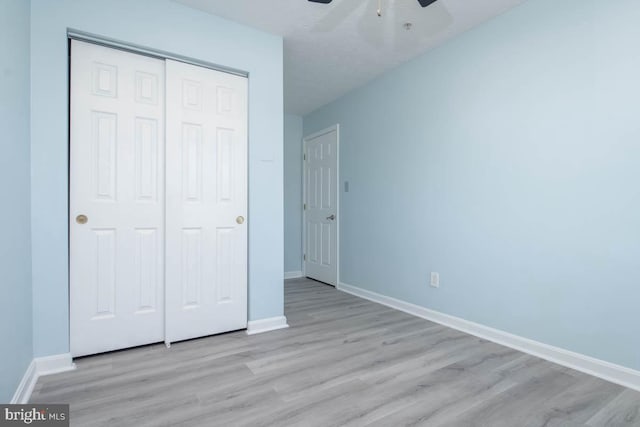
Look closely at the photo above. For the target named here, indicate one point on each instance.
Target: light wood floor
(344, 361)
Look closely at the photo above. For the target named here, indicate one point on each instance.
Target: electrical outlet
(435, 280)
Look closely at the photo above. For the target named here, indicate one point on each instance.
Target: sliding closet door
(206, 228)
(116, 199)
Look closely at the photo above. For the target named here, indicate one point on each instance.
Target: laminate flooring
(344, 361)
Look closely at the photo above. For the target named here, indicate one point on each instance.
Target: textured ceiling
(332, 49)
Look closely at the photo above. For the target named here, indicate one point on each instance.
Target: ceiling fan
(399, 17)
(423, 3)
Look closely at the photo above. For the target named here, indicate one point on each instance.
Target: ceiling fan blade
(336, 15)
(321, 1)
(423, 3)
(380, 32)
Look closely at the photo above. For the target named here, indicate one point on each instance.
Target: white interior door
(116, 199)
(321, 206)
(206, 232)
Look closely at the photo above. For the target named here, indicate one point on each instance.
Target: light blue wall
(168, 26)
(508, 160)
(292, 193)
(15, 248)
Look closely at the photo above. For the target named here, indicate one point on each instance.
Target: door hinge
(304, 156)
(304, 207)
(304, 257)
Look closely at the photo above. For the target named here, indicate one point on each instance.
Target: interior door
(206, 228)
(321, 206)
(116, 199)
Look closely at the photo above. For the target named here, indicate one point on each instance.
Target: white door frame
(160, 54)
(306, 139)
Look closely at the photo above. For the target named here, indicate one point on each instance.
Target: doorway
(321, 205)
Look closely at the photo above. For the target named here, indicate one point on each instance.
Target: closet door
(116, 222)
(206, 228)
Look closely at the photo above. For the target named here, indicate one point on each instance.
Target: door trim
(333, 128)
(146, 51)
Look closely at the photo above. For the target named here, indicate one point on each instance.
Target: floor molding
(266, 325)
(621, 375)
(292, 275)
(25, 388)
(39, 367)
(55, 364)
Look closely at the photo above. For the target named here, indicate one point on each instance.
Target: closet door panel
(206, 231)
(116, 221)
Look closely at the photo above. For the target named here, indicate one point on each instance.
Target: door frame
(146, 51)
(158, 54)
(305, 140)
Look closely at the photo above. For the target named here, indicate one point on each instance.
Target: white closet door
(206, 231)
(116, 199)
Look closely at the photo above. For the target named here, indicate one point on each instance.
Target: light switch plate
(435, 280)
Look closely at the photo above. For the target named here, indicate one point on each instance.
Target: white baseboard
(292, 274)
(266, 325)
(39, 367)
(54, 364)
(25, 388)
(621, 375)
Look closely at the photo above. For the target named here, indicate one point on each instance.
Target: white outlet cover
(435, 280)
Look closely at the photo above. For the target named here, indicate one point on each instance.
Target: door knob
(82, 219)
(240, 219)
(331, 217)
